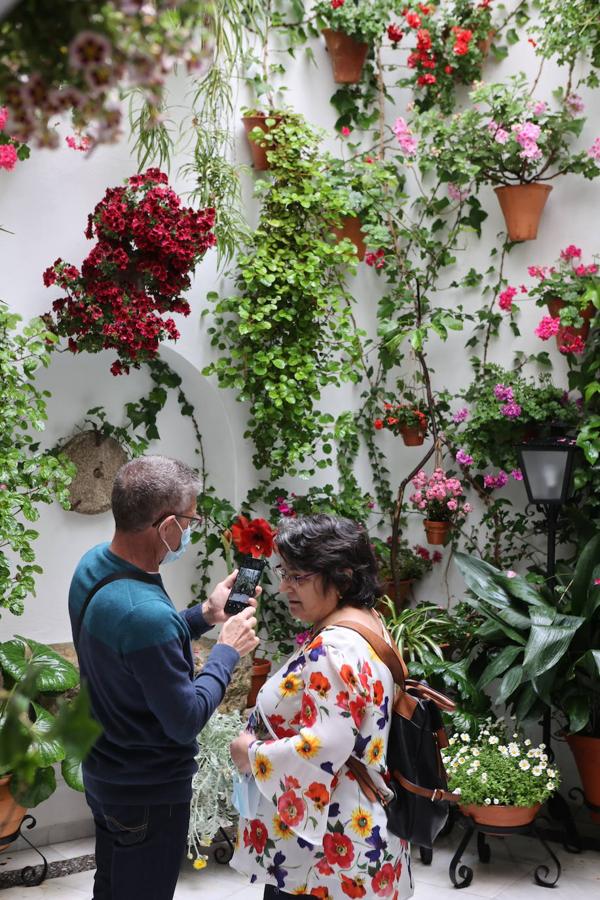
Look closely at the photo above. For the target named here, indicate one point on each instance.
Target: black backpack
(418, 810)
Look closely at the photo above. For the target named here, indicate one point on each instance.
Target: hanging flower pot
(437, 532)
(260, 671)
(566, 333)
(351, 229)
(522, 206)
(586, 751)
(412, 435)
(11, 814)
(259, 154)
(347, 55)
(501, 816)
(485, 44)
(400, 596)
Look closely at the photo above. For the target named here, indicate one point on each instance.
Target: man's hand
(212, 609)
(239, 751)
(239, 632)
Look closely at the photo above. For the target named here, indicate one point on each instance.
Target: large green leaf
(582, 579)
(40, 788)
(74, 726)
(499, 665)
(590, 661)
(521, 589)
(480, 578)
(509, 683)
(593, 597)
(577, 708)
(45, 746)
(496, 617)
(72, 773)
(548, 641)
(527, 700)
(53, 672)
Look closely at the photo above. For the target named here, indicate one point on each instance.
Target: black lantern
(547, 468)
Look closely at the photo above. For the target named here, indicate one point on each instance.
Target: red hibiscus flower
(254, 536)
(258, 835)
(358, 709)
(309, 711)
(353, 887)
(383, 882)
(339, 850)
(318, 793)
(291, 808)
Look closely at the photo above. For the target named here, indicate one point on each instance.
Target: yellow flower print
(361, 822)
(375, 750)
(290, 685)
(263, 767)
(300, 890)
(281, 829)
(308, 744)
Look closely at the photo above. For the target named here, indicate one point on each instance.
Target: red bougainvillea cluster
(147, 246)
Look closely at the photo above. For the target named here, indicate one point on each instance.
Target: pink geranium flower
(548, 327)
(8, 157)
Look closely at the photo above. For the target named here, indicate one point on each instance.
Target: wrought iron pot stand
(464, 876)
(29, 874)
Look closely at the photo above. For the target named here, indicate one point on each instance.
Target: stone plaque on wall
(97, 459)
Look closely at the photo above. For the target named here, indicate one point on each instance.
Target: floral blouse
(315, 832)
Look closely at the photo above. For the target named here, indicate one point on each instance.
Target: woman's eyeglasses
(195, 521)
(294, 580)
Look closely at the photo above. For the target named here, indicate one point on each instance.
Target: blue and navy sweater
(135, 656)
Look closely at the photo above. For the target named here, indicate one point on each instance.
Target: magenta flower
(455, 193)
(540, 108)
(505, 299)
(570, 252)
(511, 410)
(548, 327)
(503, 393)
(594, 150)
(408, 143)
(463, 458)
(495, 481)
(460, 415)
(3, 117)
(8, 157)
(345, 130)
(517, 474)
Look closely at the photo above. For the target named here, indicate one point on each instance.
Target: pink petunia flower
(548, 327)
(460, 415)
(511, 410)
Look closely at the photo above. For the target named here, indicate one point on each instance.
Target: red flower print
(291, 808)
(309, 711)
(378, 693)
(319, 684)
(318, 793)
(353, 887)
(323, 867)
(321, 892)
(258, 835)
(254, 536)
(383, 882)
(342, 700)
(348, 676)
(291, 782)
(339, 850)
(358, 709)
(276, 723)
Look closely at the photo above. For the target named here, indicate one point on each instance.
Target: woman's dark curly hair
(339, 550)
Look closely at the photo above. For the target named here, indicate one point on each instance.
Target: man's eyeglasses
(195, 521)
(294, 580)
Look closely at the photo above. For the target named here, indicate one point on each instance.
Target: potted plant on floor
(350, 27)
(570, 290)
(502, 781)
(418, 632)
(545, 649)
(440, 499)
(509, 140)
(412, 564)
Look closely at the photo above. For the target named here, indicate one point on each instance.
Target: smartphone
(245, 583)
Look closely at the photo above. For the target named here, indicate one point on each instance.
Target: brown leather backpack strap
(388, 655)
(428, 793)
(365, 782)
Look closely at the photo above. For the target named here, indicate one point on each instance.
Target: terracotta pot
(586, 751)
(259, 154)
(412, 435)
(11, 814)
(566, 333)
(437, 532)
(398, 597)
(351, 228)
(347, 55)
(260, 671)
(501, 816)
(522, 205)
(485, 45)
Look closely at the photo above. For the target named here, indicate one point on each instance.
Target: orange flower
(321, 892)
(291, 808)
(347, 675)
(308, 744)
(353, 887)
(323, 867)
(254, 536)
(320, 684)
(378, 693)
(318, 793)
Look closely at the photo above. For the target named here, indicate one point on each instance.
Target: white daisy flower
(537, 771)
(487, 801)
(550, 785)
(484, 777)
(493, 739)
(465, 738)
(524, 765)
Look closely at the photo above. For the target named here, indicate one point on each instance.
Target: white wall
(45, 202)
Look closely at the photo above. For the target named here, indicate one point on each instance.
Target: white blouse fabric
(314, 831)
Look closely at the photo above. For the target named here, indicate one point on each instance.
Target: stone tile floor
(508, 875)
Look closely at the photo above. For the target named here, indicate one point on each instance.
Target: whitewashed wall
(45, 201)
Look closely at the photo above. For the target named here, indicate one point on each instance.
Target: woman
(314, 832)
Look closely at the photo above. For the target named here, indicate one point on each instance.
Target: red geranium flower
(339, 850)
(291, 808)
(254, 536)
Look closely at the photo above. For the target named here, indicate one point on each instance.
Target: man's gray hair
(150, 486)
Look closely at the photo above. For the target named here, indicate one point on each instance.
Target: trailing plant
(39, 728)
(569, 32)
(146, 250)
(29, 477)
(288, 332)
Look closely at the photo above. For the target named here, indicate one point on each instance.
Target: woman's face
(307, 599)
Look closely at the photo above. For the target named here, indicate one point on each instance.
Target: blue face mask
(172, 555)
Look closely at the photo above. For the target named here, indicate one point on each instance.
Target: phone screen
(244, 586)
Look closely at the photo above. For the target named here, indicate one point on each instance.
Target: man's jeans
(139, 850)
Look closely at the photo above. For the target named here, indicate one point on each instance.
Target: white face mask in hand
(173, 555)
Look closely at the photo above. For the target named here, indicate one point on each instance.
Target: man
(135, 655)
